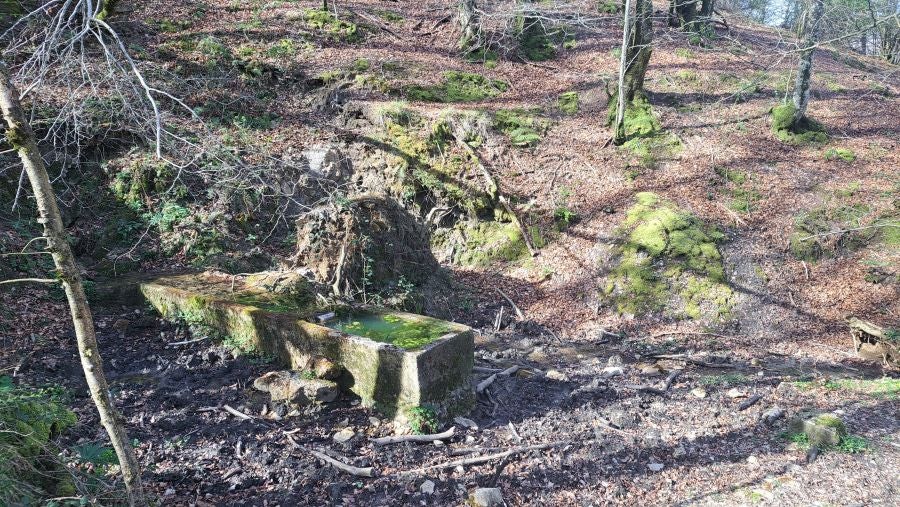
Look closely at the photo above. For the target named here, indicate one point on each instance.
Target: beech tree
(810, 29)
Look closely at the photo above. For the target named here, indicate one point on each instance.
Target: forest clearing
(450, 252)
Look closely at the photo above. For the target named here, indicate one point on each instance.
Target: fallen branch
(343, 467)
(375, 22)
(842, 231)
(749, 402)
(186, 342)
(485, 383)
(692, 360)
(415, 438)
(236, 413)
(484, 459)
(519, 314)
(33, 280)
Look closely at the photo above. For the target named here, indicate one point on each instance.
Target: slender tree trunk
(706, 12)
(811, 30)
(637, 37)
(21, 137)
(469, 24)
(619, 136)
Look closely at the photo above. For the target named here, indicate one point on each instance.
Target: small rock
(734, 393)
(326, 369)
(343, 436)
(486, 497)
(771, 415)
(468, 423)
(614, 360)
(427, 487)
(612, 371)
(438, 443)
(650, 369)
(655, 467)
(752, 460)
(470, 439)
(375, 422)
(823, 430)
(699, 392)
(754, 362)
(557, 375)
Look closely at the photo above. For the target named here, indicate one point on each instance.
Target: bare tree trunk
(619, 136)
(470, 24)
(706, 12)
(811, 28)
(637, 37)
(21, 137)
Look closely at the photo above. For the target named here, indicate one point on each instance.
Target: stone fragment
(823, 430)
(699, 392)
(655, 467)
(427, 487)
(289, 386)
(343, 436)
(486, 497)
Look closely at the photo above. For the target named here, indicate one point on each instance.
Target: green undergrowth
(742, 191)
(538, 42)
(806, 131)
(668, 259)
(333, 27)
(458, 86)
(521, 126)
(849, 444)
(422, 419)
(883, 388)
(487, 57)
(838, 227)
(29, 420)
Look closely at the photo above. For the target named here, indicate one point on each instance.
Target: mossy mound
(29, 419)
(645, 139)
(335, 28)
(844, 154)
(806, 131)
(458, 87)
(668, 258)
(521, 126)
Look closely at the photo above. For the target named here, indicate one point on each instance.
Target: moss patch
(458, 87)
(335, 28)
(806, 131)
(646, 140)
(667, 258)
(816, 231)
(486, 242)
(521, 126)
(568, 102)
(844, 154)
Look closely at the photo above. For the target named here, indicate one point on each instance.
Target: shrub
(459, 87)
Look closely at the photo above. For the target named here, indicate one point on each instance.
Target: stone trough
(392, 360)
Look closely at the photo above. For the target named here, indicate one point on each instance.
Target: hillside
(708, 247)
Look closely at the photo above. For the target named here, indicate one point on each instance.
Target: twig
(695, 333)
(842, 231)
(34, 280)
(489, 457)
(350, 469)
(485, 383)
(186, 342)
(415, 438)
(236, 413)
(519, 313)
(509, 371)
(515, 434)
(805, 270)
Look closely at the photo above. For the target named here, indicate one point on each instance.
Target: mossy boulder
(568, 102)
(668, 259)
(324, 21)
(479, 244)
(814, 238)
(523, 127)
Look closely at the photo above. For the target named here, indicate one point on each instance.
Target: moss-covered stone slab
(392, 372)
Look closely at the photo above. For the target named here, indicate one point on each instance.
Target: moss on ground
(806, 131)
(568, 102)
(521, 126)
(487, 242)
(844, 154)
(668, 258)
(646, 140)
(458, 87)
(335, 28)
(817, 232)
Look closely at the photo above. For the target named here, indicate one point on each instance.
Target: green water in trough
(410, 334)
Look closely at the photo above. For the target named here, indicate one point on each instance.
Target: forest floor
(613, 442)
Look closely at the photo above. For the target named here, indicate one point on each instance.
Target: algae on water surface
(407, 333)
